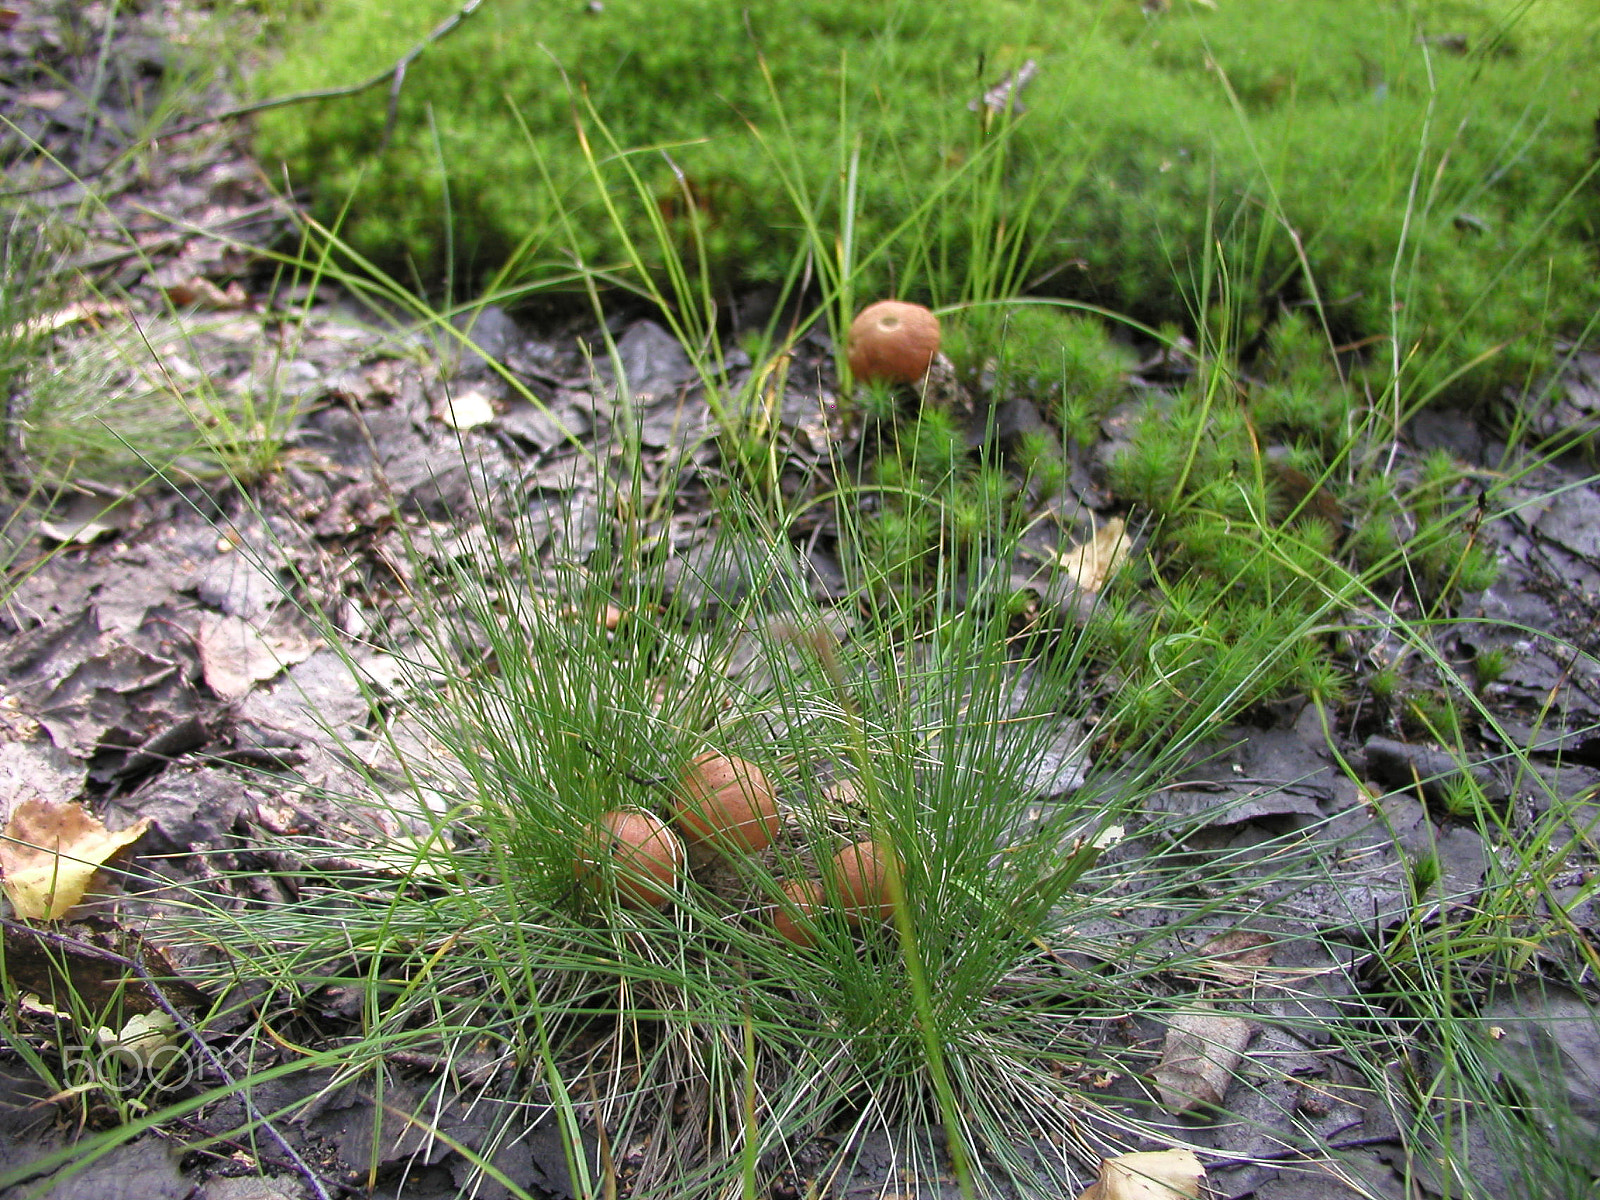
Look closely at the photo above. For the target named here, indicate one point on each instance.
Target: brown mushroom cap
(860, 872)
(727, 802)
(892, 342)
(792, 916)
(648, 857)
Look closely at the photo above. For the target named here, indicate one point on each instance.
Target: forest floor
(158, 662)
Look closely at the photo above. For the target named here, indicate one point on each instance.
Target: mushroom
(727, 802)
(793, 915)
(892, 342)
(860, 872)
(647, 856)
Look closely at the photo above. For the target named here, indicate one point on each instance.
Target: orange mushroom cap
(727, 802)
(861, 873)
(647, 854)
(892, 342)
(794, 914)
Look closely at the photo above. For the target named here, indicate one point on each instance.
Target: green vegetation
(1266, 509)
(1066, 360)
(1415, 162)
(681, 1052)
(29, 282)
(938, 509)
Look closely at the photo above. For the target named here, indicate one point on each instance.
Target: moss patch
(1419, 154)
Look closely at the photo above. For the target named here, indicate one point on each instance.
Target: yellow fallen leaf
(49, 852)
(1174, 1174)
(1096, 560)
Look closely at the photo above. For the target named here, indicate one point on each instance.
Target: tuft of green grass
(30, 286)
(698, 1031)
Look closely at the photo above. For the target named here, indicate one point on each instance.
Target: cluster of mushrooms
(726, 805)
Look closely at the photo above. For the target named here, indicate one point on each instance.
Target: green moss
(1240, 583)
(934, 447)
(1489, 666)
(1042, 464)
(1420, 186)
(1477, 569)
(1038, 349)
(940, 507)
(1432, 715)
(1374, 541)
(1384, 684)
(1065, 361)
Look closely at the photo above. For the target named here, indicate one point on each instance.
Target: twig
(395, 73)
(641, 780)
(189, 1031)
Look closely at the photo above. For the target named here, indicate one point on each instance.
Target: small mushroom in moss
(647, 855)
(726, 802)
(892, 342)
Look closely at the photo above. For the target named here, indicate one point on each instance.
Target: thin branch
(395, 73)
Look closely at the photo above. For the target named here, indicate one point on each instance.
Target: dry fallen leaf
(37, 769)
(51, 851)
(235, 656)
(467, 410)
(1236, 956)
(78, 967)
(84, 519)
(1174, 1174)
(1095, 561)
(148, 1040)
(1202, 1049)
(78, 310)
(199, 292)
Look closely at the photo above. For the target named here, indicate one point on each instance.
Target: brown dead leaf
(844, 793)
(79, 310)
(53, 969)
(1174, 1174)
(51, 851)
(45, 99)
(85, 518)
(37, 770)
(1095, 561)
(235, 656)
(1198, 1059)
(199, 292)
(1234, 956)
